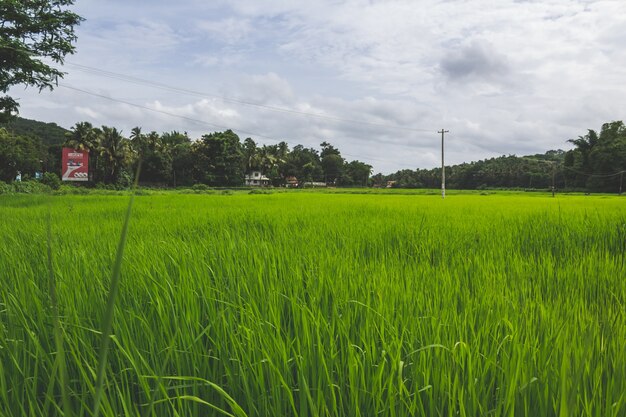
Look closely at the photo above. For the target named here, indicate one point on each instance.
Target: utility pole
(443, 166)
(621, 178)
(553, 175)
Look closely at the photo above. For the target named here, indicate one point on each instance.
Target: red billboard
(75, 165)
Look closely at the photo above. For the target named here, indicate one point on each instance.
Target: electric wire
(166, 87)
(191, 119)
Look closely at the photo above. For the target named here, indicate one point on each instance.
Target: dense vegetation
(302, 304)
(597, 162)
(172, 158)
(35, 35)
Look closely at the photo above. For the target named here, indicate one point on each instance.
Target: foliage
(599, 160)
(511, 171)
(304, 164)
(30, 187)
(355, 174)
(222, 159)
(52, 180)
(218, 159)
(300, 304)
(48, 133)
(597, 163)
(33, 33)
(5, 188)
(156, 162)
(18, 153)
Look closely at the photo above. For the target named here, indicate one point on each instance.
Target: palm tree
(136, 139)
(114, 150)
(81, 136)
(585, 145)
(250, 155)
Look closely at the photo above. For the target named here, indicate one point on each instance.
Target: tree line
(596, 163)
(221, 159)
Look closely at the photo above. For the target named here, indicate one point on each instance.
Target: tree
(114, 151)
(178, 147)
(18, 153)
(81, 136)
(597, 161)
(219, 159)
(332, 165)
(156, 161)
(250, 155)
(328, 149)
(303, 163)
(32, 31)
(356, 173)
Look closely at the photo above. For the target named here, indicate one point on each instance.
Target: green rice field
(314, 304)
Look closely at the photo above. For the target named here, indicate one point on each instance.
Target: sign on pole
(75, 165)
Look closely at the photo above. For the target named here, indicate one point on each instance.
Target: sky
(375, 78)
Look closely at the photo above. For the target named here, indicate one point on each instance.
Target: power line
(166, 87)
(595, 175)
(191, 119)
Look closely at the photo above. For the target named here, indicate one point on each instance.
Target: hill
(48, 133)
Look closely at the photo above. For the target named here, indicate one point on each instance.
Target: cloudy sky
(376, 78)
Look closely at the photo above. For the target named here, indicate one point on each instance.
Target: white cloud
(504, 77)
(86, 111)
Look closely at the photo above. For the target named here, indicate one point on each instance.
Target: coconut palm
(81, 136)
(114, 150)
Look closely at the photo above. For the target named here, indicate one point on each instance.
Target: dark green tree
(303, 163)
(356, 174)
(32, 33)
(333, 167)
(332, 163)
(597, 161)
(250, 155)
(178, 146)
(18, 153)
(219, 159)
(156, 161)
(114, 151)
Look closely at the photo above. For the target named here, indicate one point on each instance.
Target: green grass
(315, 304)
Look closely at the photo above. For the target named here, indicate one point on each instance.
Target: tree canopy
(30, 32)
(596, 163)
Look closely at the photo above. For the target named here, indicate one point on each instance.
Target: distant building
(256, 179)
(291, 182)
(391, 184)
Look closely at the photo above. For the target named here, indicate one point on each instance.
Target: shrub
(200, 187)
(52, 180)
(5, 188)
(124, 181)
(30, 187)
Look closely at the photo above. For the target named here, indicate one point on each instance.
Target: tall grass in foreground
(315, 304)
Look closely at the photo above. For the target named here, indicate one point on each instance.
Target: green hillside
(49, 133)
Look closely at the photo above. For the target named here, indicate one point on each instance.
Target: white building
(256, 179)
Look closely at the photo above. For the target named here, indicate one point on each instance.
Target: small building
(291, 182)
(256, 179)
(391, 184)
